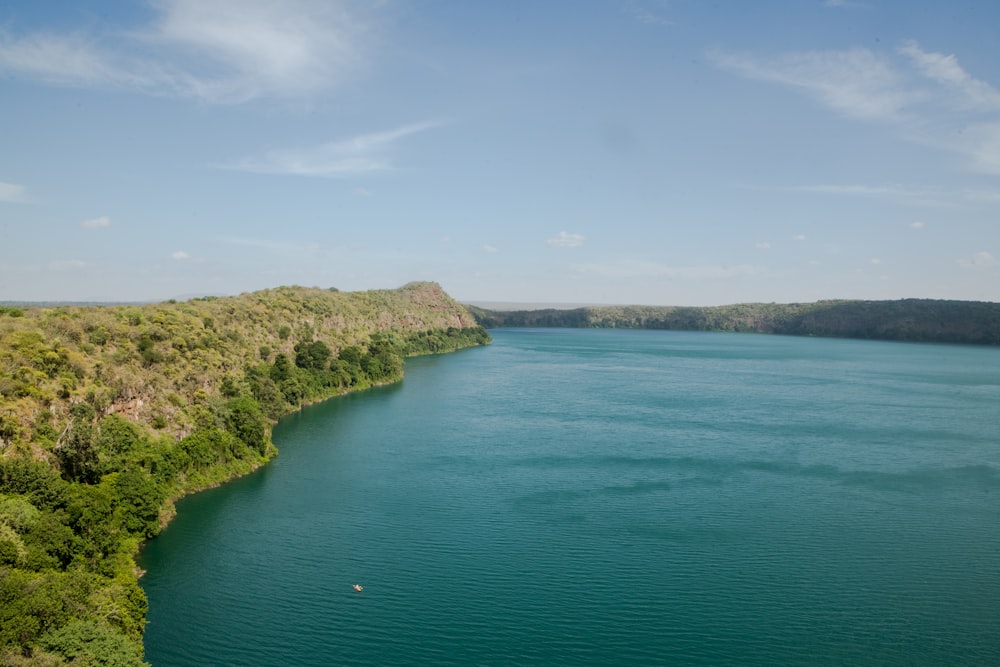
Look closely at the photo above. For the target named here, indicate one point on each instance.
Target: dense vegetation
(914, 320)
(109, 414)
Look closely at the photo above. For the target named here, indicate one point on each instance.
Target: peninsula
(108, 414)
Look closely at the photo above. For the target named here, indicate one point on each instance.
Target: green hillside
(913, 320)
(110, 413)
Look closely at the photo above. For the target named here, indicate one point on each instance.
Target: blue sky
(662, 152)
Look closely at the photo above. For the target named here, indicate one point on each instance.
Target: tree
(314, 354)
(85, 642)
(138, 502)
(116, 435)
(281, 370)
(76, 452)
(247, 422)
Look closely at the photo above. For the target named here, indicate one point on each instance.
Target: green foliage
(12, 550)
(314, 354)
(77, 452)
(247, 422)
(18, 512)
(436, 341)
(42, 486)
(87, 642)
(32, 604)
(281, 369)
(50, 542)
(117, 436)
(139, 498)
(111, 413)
(90, 510)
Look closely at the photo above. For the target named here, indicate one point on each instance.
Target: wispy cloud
(844, 3)
(66, 265)
(650, 13)
(856, 83)
(566, 240)
(980, 144)
(913, 196)
(361, 154)
(930, 94)
(103, 222)
(909, 195)
(647, 269)
(945, 70)
(9, 192)
(762, 245)
(981, 260)
(490, 248)
(226, 51)
(855, 190)
(917, 225)
(179, 255)
(271, 245)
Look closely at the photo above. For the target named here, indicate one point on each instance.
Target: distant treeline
(913, 320)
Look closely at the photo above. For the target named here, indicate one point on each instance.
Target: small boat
(359, 587)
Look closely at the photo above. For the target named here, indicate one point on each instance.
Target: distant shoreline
(905, 320)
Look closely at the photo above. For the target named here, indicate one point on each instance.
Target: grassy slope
(108, 414)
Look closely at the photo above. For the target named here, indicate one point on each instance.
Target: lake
(605, 497)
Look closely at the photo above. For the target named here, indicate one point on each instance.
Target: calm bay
(603, 497)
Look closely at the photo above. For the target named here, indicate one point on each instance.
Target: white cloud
(364, 192)
(981, 144)
(278, 247)
(917, 225)
(490, 248)
(221, 51)
(66, 265)
(945, 70)
(979, 194)
(921, 196)
(846, 3)
(566, 240)
(648, 15)
(863, 85)
(981, 260)
(875, 261)
(799, 237)
(856, 83)
(102, 222)
(862, 190)
(10, 192)
(647, 269)
(362, 154)
(179, 255)
(762, 245)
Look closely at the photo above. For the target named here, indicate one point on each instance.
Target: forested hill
(915, 320)
(110, 413)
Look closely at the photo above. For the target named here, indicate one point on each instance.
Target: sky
(655, 152)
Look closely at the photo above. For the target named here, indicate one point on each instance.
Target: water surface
(601, 497)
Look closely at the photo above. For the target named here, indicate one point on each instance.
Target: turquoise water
(600, 497)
